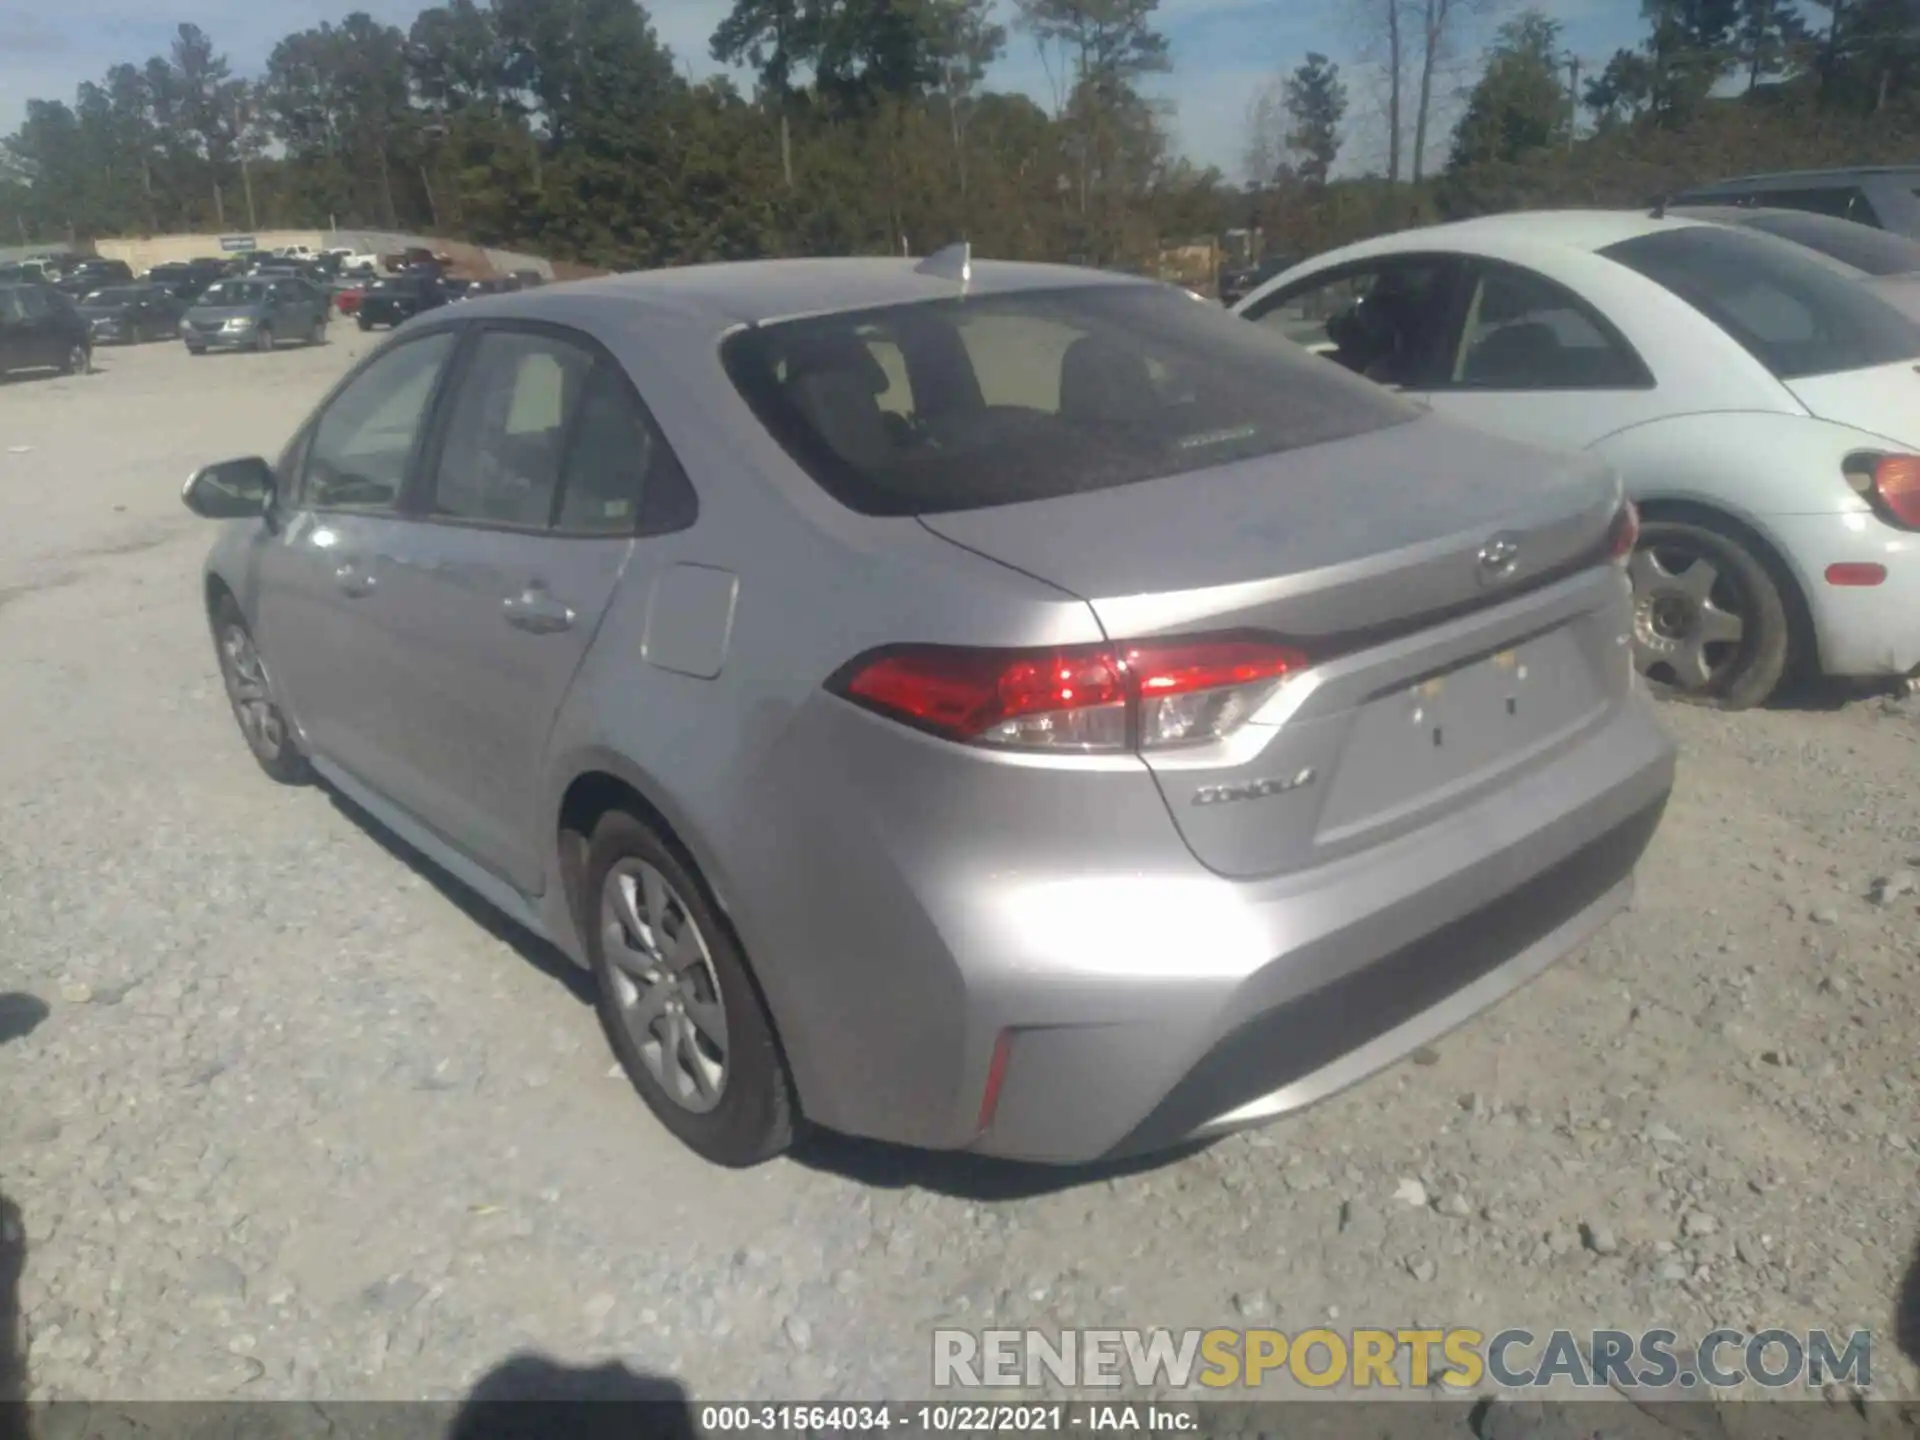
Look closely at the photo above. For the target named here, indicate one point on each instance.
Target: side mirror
(231, 490)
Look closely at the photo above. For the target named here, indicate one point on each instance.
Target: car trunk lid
(1881, 400)
(1443, 585)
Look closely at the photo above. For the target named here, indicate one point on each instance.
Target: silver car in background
(986, 707)
(1885, 262)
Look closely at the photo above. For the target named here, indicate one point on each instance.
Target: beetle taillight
(1625, 533)
(1093, 698)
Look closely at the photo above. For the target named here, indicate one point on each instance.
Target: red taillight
(1625, 533)
(1096, 698)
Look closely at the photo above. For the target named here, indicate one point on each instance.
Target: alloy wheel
(1689, 616)
(246, 677)
(664, 986)
(79, 360)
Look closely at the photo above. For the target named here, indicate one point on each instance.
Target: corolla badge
(1499, 558)
(1253, 789)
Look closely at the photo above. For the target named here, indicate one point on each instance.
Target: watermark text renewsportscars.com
(1382, 1359)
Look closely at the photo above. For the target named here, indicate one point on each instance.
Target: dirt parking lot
(300, 1120)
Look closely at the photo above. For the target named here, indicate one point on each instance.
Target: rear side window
(947, 405)
(506, 434)
(620, 475)
(1524, 332)
(1792, 313)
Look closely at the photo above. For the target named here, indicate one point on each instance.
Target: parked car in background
(397, 299)
(40, 330)
(131, 314)
(1236, 283)
(347, 295)
(1888, 262)
(1760, 405)
(529, 279)
(1887, 197)
(497, 285)
(255, 314)
(1105, 724)
(93, 274)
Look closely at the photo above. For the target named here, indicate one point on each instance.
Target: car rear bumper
(1366, 960)
(1027, 919)
(1862, 630)
(222, 340)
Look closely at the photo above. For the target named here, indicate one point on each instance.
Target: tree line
(567, 128)
(1713, 88)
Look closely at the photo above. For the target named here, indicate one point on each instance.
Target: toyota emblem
(1499, 558)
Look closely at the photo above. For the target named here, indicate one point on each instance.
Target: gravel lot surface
(300, 1120)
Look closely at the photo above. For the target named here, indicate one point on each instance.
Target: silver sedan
(980, 706)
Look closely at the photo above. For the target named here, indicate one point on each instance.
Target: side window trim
(429, 423)
(1471, 276)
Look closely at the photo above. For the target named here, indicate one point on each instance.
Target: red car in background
(347, 301)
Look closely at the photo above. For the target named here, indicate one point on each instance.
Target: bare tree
(1436, 23)
(1381, 29)
(1266, 146)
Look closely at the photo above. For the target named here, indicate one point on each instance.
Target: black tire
(271, 737)
(1734, 672)
(755, 1117)
(365, 324)
(77, 361)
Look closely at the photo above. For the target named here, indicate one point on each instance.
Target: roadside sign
(238, 242)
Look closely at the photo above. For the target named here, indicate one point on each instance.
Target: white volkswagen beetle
(1763, 408)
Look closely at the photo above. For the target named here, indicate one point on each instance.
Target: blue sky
(1223, 50)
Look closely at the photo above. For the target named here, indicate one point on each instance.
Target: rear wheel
(77, 361)
(365, 323)
(1710, 623)
(250, 693)
(680, 1010)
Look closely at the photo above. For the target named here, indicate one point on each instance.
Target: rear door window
(620, 477)
(506, 433)
(1795, 315)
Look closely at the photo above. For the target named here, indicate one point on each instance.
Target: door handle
(536, 610)
(352, 580)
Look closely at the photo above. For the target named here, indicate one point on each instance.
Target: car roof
(1523, 232)
(757, 291)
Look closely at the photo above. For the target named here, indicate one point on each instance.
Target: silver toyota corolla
(982, 706)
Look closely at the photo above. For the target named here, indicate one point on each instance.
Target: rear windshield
(1878, 252)
(1795, 315)
(956, 404)
(234, 292)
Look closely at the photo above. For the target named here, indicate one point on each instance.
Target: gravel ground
(300, 1120)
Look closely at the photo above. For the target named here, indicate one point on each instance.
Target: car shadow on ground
(543, 955)
(868, 1162)
(1906, 1308)
(963, 1176)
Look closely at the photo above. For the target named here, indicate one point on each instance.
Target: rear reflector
(1859, 574)
(996, 1076)
(1087, 698)
(1625, 533)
